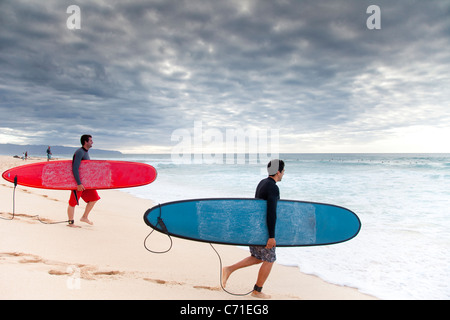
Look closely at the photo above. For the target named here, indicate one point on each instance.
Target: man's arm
(76, 165)
(272, 202)
(271, 215)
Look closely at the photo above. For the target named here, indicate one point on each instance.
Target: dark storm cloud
(138, 70)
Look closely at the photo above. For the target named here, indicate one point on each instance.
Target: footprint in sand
(59, 273)
(53, 199)
(87, 272)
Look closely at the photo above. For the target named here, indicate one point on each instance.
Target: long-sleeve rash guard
(80, 154)
(268, 190)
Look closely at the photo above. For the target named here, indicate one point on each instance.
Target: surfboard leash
(14, 208)
(220, 272)
(164, 228)
(14, 200)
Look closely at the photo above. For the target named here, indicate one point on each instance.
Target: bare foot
(86, 220)
(260, 295)
(225, 275)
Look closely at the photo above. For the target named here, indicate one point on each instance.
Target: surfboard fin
(163, 226)
(76, 196)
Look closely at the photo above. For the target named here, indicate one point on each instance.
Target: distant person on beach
(49, 153)
(89, 196)
(266, 190)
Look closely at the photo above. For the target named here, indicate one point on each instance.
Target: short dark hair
(274, 166)
(85, 138)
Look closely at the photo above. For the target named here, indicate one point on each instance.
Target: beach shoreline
(109, 261)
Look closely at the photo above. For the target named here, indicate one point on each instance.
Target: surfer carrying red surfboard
(90, 196)
(266, 190)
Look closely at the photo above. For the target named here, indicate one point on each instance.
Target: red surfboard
(94, 174)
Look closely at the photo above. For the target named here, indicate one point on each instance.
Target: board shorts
(87, 195)
(261, 253)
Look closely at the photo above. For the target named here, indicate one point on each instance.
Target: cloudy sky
(137, 71)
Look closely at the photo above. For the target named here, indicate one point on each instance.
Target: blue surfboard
(243, 222)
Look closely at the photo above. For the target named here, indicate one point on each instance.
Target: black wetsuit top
(268, 190)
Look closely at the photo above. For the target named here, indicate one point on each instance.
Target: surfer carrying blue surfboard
(269, 191)
(90, 196)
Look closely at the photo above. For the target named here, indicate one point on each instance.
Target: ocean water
(403, 201)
